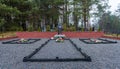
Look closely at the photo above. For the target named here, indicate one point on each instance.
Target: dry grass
(112, 35)
(7, 34)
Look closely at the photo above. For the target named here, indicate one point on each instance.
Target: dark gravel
(62, 50)
(104, 56)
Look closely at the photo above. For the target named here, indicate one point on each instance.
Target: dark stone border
(57, 59)
(12, 41)
(106, 41)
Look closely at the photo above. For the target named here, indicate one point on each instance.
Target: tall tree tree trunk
(75, 18)
(65, 14)
(76, 22)
(84, 4)
(85, 18)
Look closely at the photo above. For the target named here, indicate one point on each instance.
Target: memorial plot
(97, 41)
(21, 41)
(51, 51)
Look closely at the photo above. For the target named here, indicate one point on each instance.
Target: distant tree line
(44, 15)
(110, 23)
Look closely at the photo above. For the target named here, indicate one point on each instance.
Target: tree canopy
(33, 15)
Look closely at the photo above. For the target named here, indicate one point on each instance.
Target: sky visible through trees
(114, 4)
(45, 15)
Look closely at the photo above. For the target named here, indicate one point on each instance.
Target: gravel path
(104, 56)
(62, 50)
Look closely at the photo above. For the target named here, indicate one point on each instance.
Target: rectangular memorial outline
(14, 41)
(105, 41)
(57, 59)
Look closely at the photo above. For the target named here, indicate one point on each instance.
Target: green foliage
(20, 29)
(8, 10)
(39, 29)
(82, 30)
(99, 29)
(48, 28)
(90, 29)
(30, 28)
(14, 28)
(110, 23)
(64, 27)
(2, 21)
(72, 29)
(55, 29)
(36, 11)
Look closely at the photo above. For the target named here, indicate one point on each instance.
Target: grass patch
(7, 34)
(112, 35)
